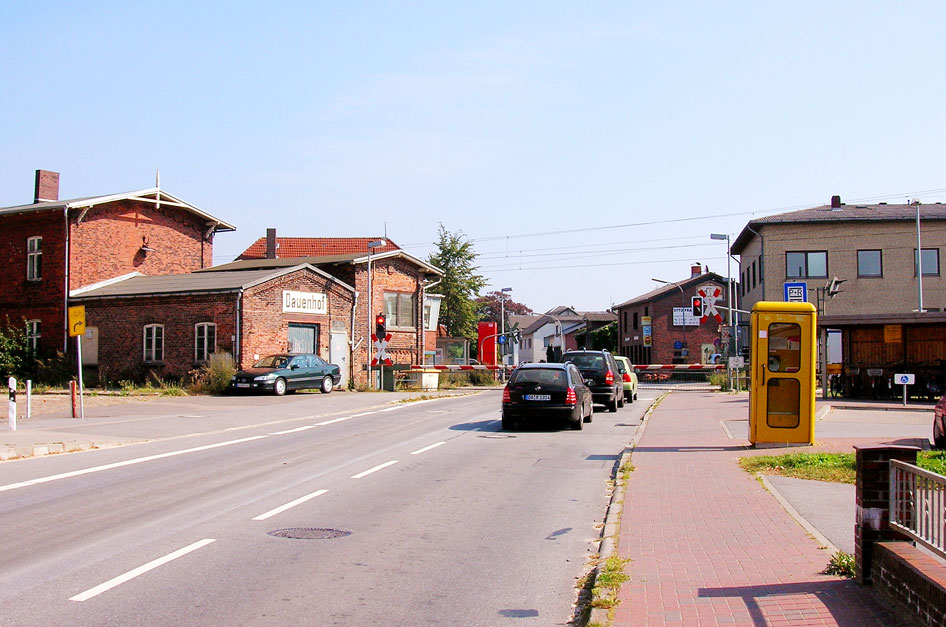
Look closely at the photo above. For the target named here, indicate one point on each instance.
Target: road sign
(76, 320)
(795, 292)
(381, 350)
(737, 362)
(501, 339)
(904, 379)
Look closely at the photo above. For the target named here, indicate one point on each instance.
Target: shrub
(214, 376)
(15, 358)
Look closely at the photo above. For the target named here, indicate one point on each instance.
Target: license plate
(537, 397)
(243, 385)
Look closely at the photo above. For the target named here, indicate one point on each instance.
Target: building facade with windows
(52, 247)
(400, 285)
(872, 251)
(654, 328)
(171, 324)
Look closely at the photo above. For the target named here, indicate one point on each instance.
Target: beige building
(871, 252)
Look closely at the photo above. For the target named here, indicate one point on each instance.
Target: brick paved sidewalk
(708, 545)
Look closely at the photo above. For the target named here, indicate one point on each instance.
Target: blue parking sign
(796, 292)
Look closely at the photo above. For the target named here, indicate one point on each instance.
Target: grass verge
(833, 467)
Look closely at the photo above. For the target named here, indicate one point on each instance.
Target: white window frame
(33, 333)
(393, 320)
(34, 258)
(203, 352)
(156, 353)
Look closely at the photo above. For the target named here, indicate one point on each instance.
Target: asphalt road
(441, 518)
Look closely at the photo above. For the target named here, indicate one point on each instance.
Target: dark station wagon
(546, 390)
(287, 372)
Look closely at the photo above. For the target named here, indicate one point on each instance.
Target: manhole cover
(498, 436)
(310, 533)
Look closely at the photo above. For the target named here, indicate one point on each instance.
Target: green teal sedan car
(287, 372)
(628, 376)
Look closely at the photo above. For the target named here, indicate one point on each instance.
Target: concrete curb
(612, 518)
(822, 541)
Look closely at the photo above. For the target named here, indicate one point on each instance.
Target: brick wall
(121, 331)
(43, 299)
(388, 275)
(107, 243)
(265, 327)
(872, 491)
(913, 582)
(664, 332)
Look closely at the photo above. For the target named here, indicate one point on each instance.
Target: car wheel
(635, 396)
(327, 385)
(577, 424)
(613, 405)
(591, 413)
(621, 401)
(508, 423)
(279, 387)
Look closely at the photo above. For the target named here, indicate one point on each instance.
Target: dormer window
(34, 259)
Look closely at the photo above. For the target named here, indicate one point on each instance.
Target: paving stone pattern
(709, 546)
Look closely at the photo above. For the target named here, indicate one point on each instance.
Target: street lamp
(684, 297)
(722, 236)
(377, 243)
(502, 322)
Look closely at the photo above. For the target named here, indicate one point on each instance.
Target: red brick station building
(140, 264)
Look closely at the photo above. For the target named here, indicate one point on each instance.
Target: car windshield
(272, 361)
(547, 376)
(587, 362)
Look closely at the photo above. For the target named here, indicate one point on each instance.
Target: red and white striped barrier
(470, 367)
(665, 367)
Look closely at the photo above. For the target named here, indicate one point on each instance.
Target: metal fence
(918, 505)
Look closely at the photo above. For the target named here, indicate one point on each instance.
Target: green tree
(460, 284)
(15, 359)
(606, 337)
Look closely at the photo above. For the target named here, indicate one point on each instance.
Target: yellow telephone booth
(782, 393)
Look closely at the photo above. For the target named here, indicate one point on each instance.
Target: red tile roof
(314, 247)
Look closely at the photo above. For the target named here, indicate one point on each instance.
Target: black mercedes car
(546, 390)
(287, 372)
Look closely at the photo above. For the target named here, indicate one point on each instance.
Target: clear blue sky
(585, 149)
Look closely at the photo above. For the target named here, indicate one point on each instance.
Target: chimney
(696, 270)
(835, 202)
(270, 243)
(47, 186)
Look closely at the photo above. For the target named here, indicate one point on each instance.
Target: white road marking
(329, 422)
(392, 408)
(282, 508)
(375, 469)
(130, 462)
(296, 430)
(117, 581)
(367, 413)
(427, 448)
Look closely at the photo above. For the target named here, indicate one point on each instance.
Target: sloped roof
(844, 213)
(289, 247)
(664, 290)
(325, 260)
(599, 316)
(153, 195)
(194, 282)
